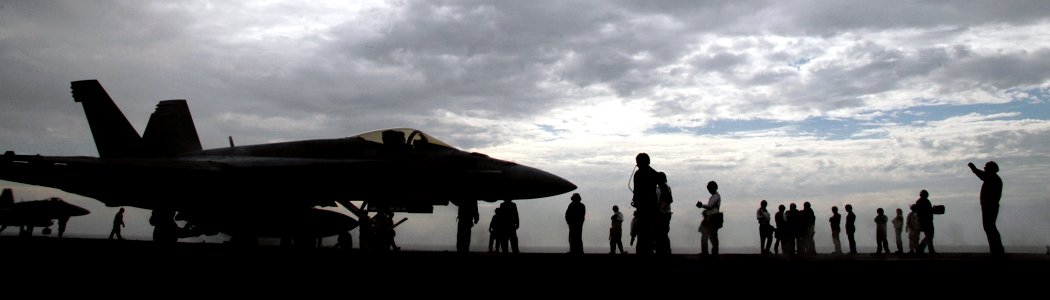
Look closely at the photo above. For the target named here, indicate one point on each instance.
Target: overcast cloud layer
(845, 102)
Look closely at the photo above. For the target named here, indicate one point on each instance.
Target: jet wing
(247, 162)
(10, 163)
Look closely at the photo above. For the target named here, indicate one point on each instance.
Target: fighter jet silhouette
(267, 190)
(37, 213)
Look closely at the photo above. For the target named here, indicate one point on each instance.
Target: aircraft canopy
(400, 136)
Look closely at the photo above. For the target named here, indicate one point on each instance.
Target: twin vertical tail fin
(170, 130)
(114, 136)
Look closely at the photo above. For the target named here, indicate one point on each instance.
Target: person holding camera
(712, 220)
(991, 191)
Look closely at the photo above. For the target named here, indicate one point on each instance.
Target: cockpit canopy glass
(401, 136)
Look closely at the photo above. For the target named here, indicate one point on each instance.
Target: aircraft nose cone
(71, 210)
(537, 183)
(80, 211)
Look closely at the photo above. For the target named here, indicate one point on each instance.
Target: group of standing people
(503, 228)
(652, 202)
(652, 198)
(794, 229)
(793, 232)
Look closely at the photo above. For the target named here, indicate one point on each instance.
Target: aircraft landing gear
(164, 228)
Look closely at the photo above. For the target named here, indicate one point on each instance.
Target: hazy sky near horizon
(838, 102)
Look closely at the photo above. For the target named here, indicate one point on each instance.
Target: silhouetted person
(574, 216)
(25, 230)
(510, 210)
(793, 218)
(384, 230)
(710, 225)
(781, 229)
(365, 233)
(345, 241)
(663, 215)
(924, 209)
(118, 223)
(616, 231)
(497, 231)
(379, 240)
(809, 222)
(991, 192)
(881, 243)
(644, 201)
(634, 226)
(393, 232)
(836, 229)
(164, 228)
(467, 217)
(851, 228)
(914, 228)
(765, 231)
(898, 226)
(62, 221)
(503, 229)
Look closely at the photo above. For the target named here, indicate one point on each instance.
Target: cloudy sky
(862, 102)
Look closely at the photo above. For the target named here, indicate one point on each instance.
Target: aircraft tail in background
(114, 136)
(170, 130)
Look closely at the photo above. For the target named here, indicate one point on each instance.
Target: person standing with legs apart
(118, 223)
(881, 242)
(924, 209)
(510, 211)
(991, 192)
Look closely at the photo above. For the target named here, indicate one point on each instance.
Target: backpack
(665, 198)
(716, 220)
